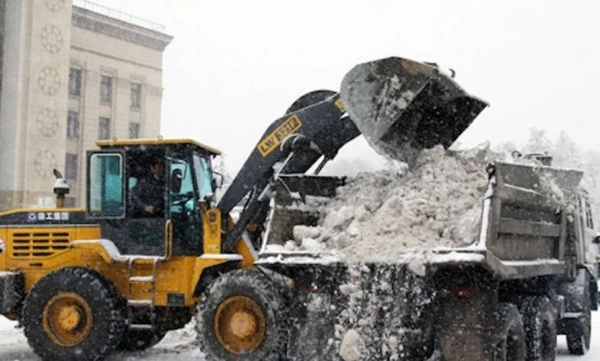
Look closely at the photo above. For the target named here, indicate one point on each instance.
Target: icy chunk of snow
(352, 347)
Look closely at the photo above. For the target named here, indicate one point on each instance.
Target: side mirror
(217, 181)
(597, 239)
(176, 180)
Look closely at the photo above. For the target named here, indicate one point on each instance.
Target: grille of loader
(38, 244)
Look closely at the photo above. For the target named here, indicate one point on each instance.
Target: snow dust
(386, 314)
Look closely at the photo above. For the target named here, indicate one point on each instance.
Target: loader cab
(145, 194)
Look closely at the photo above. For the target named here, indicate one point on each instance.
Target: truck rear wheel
(242, 316)
(72, 315)
(511, 335)
(540, 329)
(579, 334)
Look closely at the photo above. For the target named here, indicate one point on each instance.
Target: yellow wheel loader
(123, 271)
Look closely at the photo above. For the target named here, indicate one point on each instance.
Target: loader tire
(242, 317)
(511, 335)
(579, 333)
(140, 340)
(73, 314)
(540, 329)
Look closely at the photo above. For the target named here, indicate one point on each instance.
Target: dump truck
(113, 275)
(529, 276)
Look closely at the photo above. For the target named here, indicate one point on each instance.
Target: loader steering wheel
(181, 199)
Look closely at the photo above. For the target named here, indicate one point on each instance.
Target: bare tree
(538, 142)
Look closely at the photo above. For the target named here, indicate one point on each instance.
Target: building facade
(71, 74)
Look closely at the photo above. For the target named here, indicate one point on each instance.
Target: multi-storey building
(72, 73)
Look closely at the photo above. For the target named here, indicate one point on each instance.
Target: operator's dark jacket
(149, 191)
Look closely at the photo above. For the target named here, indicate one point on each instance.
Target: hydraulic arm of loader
(296, 141)
(394, 102)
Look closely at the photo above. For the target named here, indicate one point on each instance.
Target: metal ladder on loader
(149, 303)
(149, 279)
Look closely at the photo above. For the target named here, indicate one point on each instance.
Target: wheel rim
(67, 319)
(240, 325)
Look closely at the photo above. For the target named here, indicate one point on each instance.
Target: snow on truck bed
(379, 216)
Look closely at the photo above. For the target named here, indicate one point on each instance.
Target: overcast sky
(235, 66)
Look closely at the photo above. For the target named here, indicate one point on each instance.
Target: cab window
(105, 192)
(181, 187)
(203, 176)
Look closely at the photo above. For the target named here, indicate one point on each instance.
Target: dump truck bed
(523, 230)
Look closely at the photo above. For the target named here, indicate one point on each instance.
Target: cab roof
(155, 141)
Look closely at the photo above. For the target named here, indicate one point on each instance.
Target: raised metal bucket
(398, 103)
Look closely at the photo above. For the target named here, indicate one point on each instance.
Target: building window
(106, 89)
(104, 128)
(136, 95)
(71, 166)
(134, 130)
(73, 125)
(70, 201)
(74, 82)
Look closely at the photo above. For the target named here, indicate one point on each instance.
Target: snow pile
(6, 324)
(377, 216)
(183, 338)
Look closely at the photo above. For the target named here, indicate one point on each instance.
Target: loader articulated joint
(294, 142)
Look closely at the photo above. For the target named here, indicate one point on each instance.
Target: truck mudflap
(400, 104)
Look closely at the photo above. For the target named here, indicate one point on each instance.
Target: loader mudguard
(12, 293)
(104, 248)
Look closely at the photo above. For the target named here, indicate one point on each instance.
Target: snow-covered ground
(178, 347)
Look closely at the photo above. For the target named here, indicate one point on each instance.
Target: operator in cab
(148, 193)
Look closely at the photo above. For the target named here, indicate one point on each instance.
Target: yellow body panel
(3, 246)
(212, 231)
(36, 251)
(247, 253)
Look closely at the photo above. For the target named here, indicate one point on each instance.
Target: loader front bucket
(402, 104)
